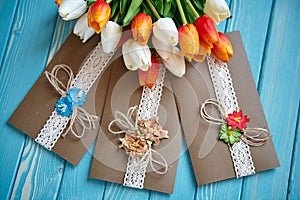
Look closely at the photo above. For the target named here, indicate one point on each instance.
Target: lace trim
(222, 81)
(149, 103)
(93, 67)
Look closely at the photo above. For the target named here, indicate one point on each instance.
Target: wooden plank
(279, 91)
(294, 183)
(24, 59)
(252, 19)
(76, 183)
(7, 13)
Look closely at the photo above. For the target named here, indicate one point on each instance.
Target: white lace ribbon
(224, 90)
(92, 68)
(148, 107)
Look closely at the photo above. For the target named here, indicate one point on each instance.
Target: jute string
(129, 123)
(251, 136)
(79, 115)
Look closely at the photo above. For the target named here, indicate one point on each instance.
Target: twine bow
(80, 115)
(129, 123)
(251, 136)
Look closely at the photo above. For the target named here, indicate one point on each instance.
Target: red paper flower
(237, 120)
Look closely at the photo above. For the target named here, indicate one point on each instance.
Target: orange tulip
(141, 26)
(208, 34)
(99, 13)
(223, 49)
(58, 2)
(149, 77)
(188, 40)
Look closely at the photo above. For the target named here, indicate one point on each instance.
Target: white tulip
(175, 63)
(164, 50)
(217, 10)
(136, 56)
(110, 36)
(165, 30)
(82, 29)
(72, 9)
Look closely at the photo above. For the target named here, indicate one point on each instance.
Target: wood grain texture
(7, 13)
(279, 92)
(20, 70)
(76, 183)
(294, 183)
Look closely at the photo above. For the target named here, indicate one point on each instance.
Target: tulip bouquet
(153, 30)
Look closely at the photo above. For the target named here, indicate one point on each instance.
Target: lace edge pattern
(148, 107)
(225, 94)
(92, 68)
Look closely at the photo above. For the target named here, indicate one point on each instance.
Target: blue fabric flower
(77, 96)
(64, 107)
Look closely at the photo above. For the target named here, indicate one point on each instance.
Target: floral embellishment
(229, 135)
(237, 120)
(138, 142)
(233, 129)
(77, 96)
(64, 107)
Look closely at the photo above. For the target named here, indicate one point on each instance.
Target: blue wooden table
(31, 33)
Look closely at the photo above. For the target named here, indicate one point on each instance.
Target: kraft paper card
(35, 109)
(210, 156)
(110, 161)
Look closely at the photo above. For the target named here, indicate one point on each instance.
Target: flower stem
(182, 15)
(154, 11)
(194, 11)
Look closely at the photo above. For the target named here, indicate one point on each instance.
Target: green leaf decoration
(229, 135)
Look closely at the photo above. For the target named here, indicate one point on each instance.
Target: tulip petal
(110, 36)
(149, 77)
(164, 29)
(72, 9)
(164, 50)
(176, 63)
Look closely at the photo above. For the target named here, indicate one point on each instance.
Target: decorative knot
(69, 105)
(234, 127)
(140, 135)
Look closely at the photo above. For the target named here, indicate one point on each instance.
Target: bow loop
(209, 118)
(255, 136)
(52, 77)
(251, 136)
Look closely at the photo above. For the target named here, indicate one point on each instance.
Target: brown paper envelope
(210, 157)
(109, 161)
(36, 107)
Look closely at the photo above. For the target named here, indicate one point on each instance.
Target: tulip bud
(223, 49)
(82, 30)
(217, 10)
(141, 26)
(164, 29)
(136, 56)
(208, 34)
(110, 36)
(99, 13)
(188, 40)
(149, 77)
(58, 2)
(72, 9)
(175, 63)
